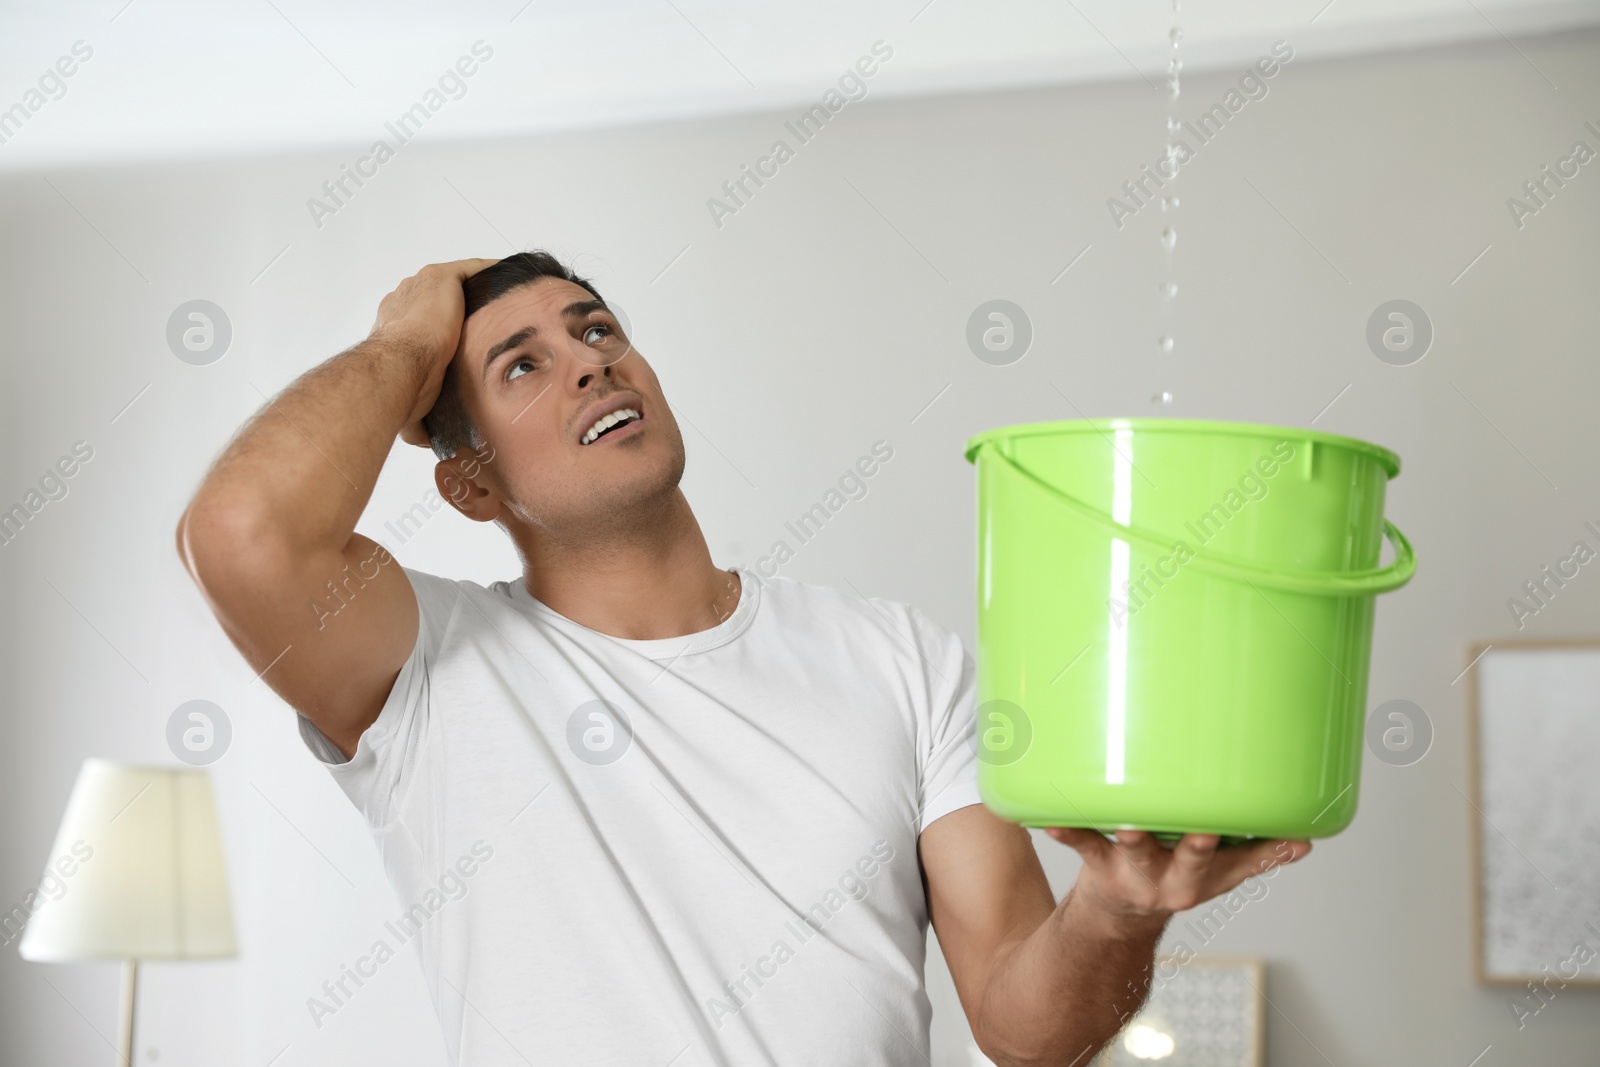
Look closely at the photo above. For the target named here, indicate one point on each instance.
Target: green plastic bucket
(1175, 623)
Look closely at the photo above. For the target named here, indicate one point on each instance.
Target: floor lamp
(136, 873)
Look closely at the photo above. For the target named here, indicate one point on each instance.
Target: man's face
(536, 368)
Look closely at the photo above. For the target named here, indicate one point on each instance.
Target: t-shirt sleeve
(376, 777)
(950, 760)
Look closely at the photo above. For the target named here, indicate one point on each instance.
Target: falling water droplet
(1169, 201)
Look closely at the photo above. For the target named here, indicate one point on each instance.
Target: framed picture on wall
(1534, 747)
(1206, 1012)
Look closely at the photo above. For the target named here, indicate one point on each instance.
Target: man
(641, 809)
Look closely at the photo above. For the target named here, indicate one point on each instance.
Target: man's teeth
(606, 422)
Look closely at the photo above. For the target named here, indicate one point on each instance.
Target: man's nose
(587, 374)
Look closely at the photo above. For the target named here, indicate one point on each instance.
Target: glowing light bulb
(1145, 1042)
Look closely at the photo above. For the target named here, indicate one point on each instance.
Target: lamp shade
(136, 872)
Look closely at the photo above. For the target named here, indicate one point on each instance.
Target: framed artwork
(1206, 1012)
(1534, 747)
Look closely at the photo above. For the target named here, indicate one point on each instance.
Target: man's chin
(636, 491)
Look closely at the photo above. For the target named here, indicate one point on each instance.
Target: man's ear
(470, 495)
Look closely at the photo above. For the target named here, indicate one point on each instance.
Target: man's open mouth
(609, 422)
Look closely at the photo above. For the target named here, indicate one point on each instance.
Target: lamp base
(130, 991)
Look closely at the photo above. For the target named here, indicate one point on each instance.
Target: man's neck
(641, 582)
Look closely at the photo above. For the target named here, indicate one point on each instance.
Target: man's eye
(511, 371)
(592, 329)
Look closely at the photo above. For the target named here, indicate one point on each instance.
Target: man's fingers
(1140, 847)
(1191, 859)
(466, 268)
(1276, 853)
(414, 433)
(1090, 844)
(1233, 866)
(1265, 855)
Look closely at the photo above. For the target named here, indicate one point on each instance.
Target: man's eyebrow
(581, 309)
(502, 347)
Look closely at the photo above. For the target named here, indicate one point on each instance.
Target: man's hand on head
(423, 316)
(1133, 881)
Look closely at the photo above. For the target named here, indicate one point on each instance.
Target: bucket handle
(1287, 579)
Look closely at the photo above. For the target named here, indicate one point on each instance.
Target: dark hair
(448, 424)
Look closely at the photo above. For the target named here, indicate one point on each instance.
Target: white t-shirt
(716, 866)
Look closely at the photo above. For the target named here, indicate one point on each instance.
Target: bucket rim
(1155, 424)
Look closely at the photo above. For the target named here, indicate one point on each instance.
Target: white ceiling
(191, 78)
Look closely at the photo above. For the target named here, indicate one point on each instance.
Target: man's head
(541, 358)
(450, 428)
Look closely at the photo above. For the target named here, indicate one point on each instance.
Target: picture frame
(1533, 714)
(1202, 1011)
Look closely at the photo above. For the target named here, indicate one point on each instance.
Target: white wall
(802, 330)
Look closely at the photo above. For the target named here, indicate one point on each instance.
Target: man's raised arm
(1047, 984)
(269, 536)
